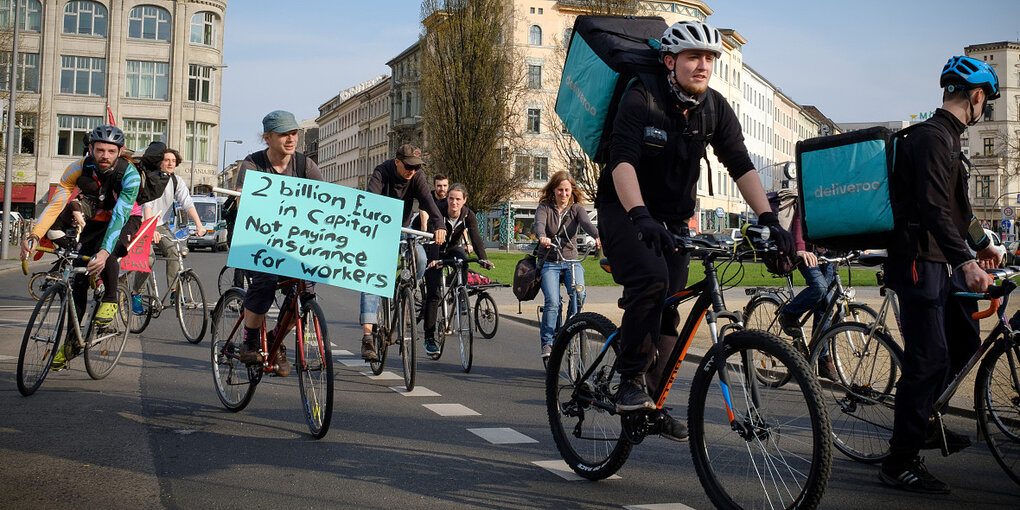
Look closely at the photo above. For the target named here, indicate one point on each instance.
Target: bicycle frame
(449, 292)
(294, 288)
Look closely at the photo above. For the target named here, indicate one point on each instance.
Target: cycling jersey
(118, 198)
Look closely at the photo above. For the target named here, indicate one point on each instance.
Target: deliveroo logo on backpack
(846, 189)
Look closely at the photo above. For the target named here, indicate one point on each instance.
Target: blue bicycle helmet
(969, 73)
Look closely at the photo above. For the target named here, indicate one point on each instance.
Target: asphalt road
(154, 435)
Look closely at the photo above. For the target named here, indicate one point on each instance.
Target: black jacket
(387, 182)
(930, 189)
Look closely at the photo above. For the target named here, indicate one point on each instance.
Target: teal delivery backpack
(843, 183)
(606, 54)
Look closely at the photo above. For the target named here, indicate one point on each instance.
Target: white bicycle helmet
(690, 35)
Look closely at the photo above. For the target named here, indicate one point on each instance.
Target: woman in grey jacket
(557, 218)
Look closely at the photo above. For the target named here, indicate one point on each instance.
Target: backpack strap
(261, 161)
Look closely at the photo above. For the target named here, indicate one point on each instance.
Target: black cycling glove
(652, 232)
(782, 238)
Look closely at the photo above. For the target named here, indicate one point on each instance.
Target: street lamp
(194, 115)
(225, 142)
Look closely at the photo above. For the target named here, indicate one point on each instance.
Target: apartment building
(353, 132)
(149, 65)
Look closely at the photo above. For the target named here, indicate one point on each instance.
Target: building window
(24, 132)
(201, 143)
(29, 15)
(576, 167)
(139, 133)
(85, 18)
(989, 146)
(983, 186)
(71, 132)
(407, 105)
(82, 75)
(28, 71)
(147, 80)
(534, 120)
(541, 169)
(535, 35)
(203, 27)
(534, 77)
(522, 165)
(989, 111)
(199, 82)
(149, 22)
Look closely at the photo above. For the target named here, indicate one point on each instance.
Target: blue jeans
(553, 273)
(817, 280)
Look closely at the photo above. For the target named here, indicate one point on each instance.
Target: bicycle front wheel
(486, 315)
(465, 333)
(762, 314)
(381, 335)
(39, 283)
(105, 344)
(407, 335)
(315, 369)
(755, 446)
(997, 398)
(42, 339)
(862, 370)
(587, 431)
(235, 382)
(192, 312)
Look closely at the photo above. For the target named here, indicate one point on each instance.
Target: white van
(210, 211)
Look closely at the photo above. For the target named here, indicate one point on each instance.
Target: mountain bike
(102, 345)
(236, 382)
(185, 295)
(866, 399)
(763, 309)
(454, 317)
(753, 445)
(396, 320)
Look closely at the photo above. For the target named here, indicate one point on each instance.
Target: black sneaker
(913, 476)
(954, 441)
(790, 324)
(632, 397)
(368, 349)
(673, 429)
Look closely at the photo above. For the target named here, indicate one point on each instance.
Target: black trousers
(647, 279)
(939, 337)
(91, 240)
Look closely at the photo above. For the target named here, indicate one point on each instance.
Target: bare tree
(582, 168)
(472, 86)
(27, 107)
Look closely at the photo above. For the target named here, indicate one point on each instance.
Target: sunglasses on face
(412, 168)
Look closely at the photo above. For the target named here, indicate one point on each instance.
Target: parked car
(715, 239)
(1012, 253)
(210, 211)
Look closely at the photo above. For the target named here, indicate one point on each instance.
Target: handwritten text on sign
(317, 231)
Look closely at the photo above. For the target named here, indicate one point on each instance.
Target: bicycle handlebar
(417, 233)
(224, 191)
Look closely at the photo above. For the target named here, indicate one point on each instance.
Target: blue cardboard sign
(317, 231)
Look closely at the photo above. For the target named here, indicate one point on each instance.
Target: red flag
(137, 258)
(109, 113)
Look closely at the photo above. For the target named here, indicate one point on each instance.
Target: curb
(695, 355)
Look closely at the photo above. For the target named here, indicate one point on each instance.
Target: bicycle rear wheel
(587, 431)
(105, 344)
(755, 446)
(381, 336)
(315, 369)
(465, 332)
(41, 340)
(407, 335)
(997, 398)
(860, 393)
(235, 382)
(137, 322)
(192, 311)
(225, 280)
(486, 314)
(762, 314)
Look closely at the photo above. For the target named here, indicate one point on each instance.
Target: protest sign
(317, 231)
(137, 258)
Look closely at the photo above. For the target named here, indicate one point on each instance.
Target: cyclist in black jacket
(647, 194)
(929, 259)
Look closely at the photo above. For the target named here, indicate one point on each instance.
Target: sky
(859, 61)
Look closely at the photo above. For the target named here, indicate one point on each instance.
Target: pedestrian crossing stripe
(448, 410)
(502, 435)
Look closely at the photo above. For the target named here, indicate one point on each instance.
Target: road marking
(502, 435)
(562, 470)
(419, 391)
(659, 506)
(451, 410)
(7, 358)
(385, 376)
(341, 352)
(353, 362)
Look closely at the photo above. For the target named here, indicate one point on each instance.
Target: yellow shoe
(62, 357)
(105, 313)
